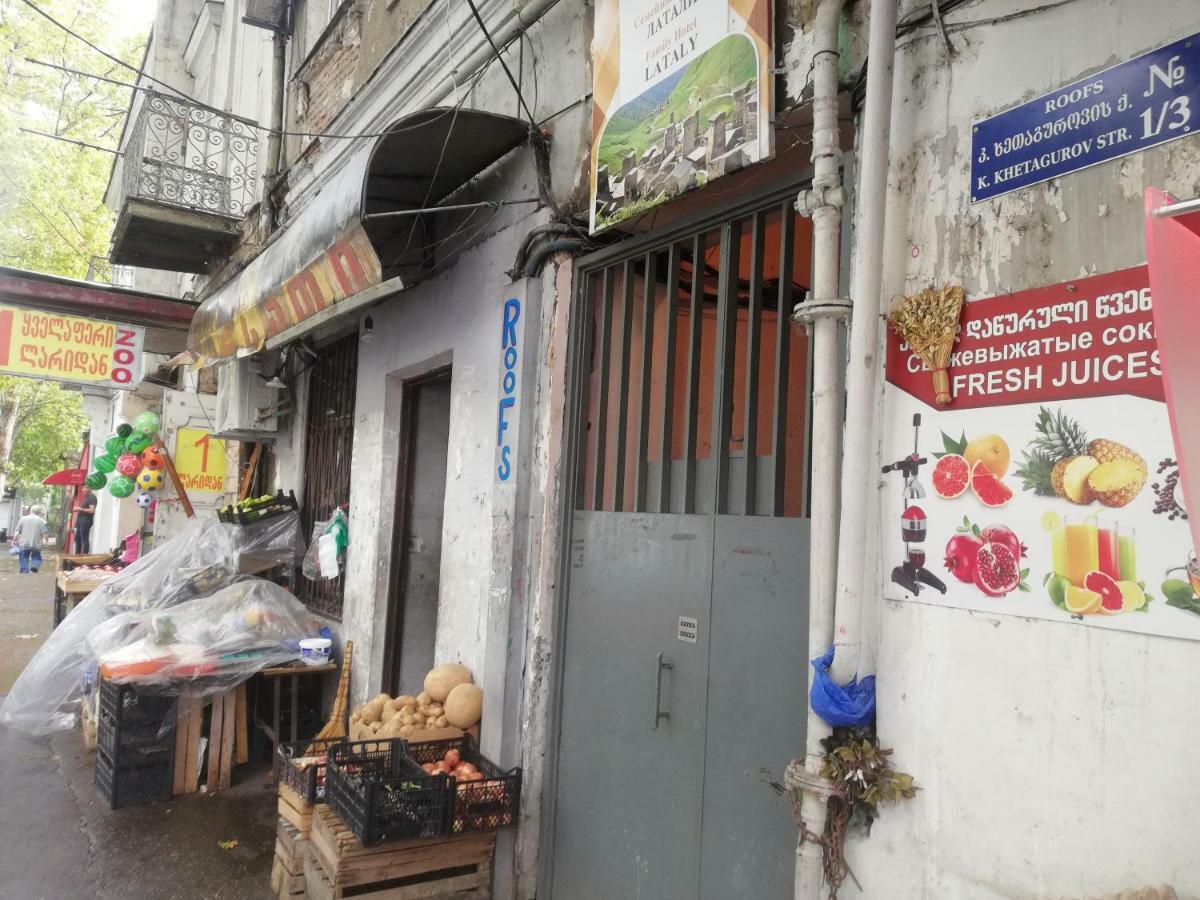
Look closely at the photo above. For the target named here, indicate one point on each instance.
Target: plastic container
(315, 651)
(494, 802)
(125, 703)
(382, 795)
(132, 785)
(259, 510)
(303, 767)
(137, 742)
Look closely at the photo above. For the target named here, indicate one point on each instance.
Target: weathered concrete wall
(1052, 760)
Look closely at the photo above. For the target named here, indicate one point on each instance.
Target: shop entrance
(413, 597)
(684, 670)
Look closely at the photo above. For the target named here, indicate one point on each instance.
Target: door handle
(659, 712)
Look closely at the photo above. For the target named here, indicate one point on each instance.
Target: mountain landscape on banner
(705, 84)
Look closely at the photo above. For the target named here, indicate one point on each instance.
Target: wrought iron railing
(192, 157)
(102, 269)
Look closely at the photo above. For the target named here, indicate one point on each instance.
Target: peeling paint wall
(1052, 760)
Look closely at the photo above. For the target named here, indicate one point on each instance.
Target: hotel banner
(682, 94)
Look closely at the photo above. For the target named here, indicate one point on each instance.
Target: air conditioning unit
(247, 410)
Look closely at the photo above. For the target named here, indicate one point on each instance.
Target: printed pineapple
(1119, 475)
(1061, 462)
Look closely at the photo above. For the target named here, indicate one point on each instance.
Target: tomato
(428, 767)
(452, 758)
(467, 769)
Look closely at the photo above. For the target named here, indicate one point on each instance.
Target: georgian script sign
(1149, 100)
(40, 344)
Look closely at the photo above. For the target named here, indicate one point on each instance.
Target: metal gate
(328, 441)
(683, 646)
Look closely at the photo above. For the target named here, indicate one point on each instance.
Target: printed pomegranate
(1002, 534)
(961, 551)
(996, 569)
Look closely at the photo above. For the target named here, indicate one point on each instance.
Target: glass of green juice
(1127, 554)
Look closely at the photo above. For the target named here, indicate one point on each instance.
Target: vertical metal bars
(622, 391)
(649, 294)
(727, 307)
(668, 414)
(753, 344)
(329, 440)
(603, 354)
(783, 342)
(690, 420)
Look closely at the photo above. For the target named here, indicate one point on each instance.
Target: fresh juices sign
(1049, 486)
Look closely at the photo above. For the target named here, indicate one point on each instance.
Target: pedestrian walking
(31, 531)
(84, 514)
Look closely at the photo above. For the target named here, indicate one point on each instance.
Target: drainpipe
(275, 138)
(860, 471)
(820, 314)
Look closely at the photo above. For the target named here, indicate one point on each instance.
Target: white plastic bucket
(315, 651)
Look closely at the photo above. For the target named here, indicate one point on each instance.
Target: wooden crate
(228, 741)
(287, 870)
(451, 868)
(294, 810)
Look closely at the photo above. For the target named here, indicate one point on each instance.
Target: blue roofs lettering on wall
(509, 355)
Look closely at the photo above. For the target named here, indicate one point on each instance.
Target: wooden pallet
(294, 810)
(287, 871)
(451, 868)
(228, 741)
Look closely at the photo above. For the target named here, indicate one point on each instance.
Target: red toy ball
(152, 459)
(129, 464)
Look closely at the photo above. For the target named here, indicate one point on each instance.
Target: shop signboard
(39, 344)
(1146, 101)
(200, 461)
(681, 94)
(1048, 488)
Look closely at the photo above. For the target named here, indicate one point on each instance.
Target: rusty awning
(165, 319)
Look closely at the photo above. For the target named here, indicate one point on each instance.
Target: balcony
(189, 176)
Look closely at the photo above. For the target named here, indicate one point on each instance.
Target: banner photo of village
(697, 122)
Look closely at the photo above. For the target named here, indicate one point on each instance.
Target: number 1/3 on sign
(200, 461)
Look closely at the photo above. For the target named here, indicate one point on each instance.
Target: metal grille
(184, 155)
(329, 440)
(697, 395)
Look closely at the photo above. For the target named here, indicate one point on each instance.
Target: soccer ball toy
(147, 423)
(128, 464)
(150, 479)
(152, 459)
(144, 499)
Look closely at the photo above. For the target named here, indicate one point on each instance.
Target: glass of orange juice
(1082, 548)
(1193, 573)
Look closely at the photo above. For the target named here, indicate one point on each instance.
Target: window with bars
(328, 441)
(692, 349)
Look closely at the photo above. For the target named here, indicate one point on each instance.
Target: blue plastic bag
(841, 704)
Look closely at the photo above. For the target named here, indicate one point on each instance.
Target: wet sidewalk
(60, 840)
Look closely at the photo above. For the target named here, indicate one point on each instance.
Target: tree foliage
(46, 426)
(52, 213)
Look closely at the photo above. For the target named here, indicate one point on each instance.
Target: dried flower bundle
(928, 322)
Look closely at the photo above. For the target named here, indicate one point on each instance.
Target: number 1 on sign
(203, 442)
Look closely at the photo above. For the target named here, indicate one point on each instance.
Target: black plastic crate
(259, 511)
(493, 802)
(303, 766)
(125, 703)
(382, 795)
(136, 742)
(134, 785)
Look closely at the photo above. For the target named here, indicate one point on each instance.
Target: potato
(382, 698)
(420, 717)
(434, 709)
(407, 700)
(409, 708)
(406, 730)
(423, 699)
(374, 726)
(373, 711)
(407, 718)
(441, 722)
(392, 705)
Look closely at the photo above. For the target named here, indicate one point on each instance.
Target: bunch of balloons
(136, 463)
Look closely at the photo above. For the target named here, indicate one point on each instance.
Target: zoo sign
(40, 344)
(1149, 100)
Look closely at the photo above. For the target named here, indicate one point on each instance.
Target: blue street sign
(1149, 100)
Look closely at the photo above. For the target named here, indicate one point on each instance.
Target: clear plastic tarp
(204, 558)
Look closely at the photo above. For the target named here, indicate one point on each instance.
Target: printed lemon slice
(1134, 596)
(1081, 601)
(1051, 520)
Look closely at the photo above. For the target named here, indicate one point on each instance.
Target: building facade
(605, 471)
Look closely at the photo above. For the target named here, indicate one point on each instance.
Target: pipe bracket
(796, 778)
(809, 201)
(808, 312)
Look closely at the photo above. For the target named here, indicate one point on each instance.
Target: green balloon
(137, 442)
(147, 423)
(124, 431)
(121, 486)
(96, 480)
(114, 444)
(105, 463)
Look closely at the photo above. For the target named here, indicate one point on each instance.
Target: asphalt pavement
(60, 841)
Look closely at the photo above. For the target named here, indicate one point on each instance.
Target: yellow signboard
(200, 461)
(68, 348)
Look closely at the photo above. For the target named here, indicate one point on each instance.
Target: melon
(442, 679)
(464, 706)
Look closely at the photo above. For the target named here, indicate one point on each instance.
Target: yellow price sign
(200, 461)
